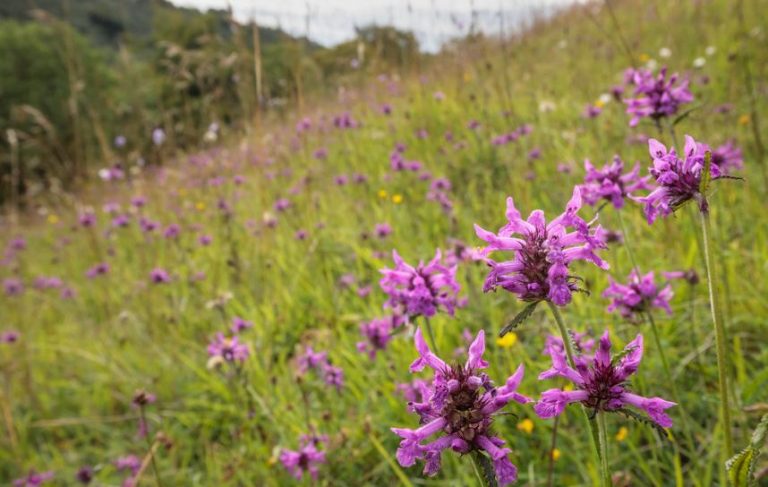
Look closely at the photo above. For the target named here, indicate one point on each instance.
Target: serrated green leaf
(519, 318)
(741, 466)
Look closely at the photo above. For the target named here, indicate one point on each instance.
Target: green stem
(720, 339)
(431, 335)
(605, 473)
(149, 446)
(484, 470)
(626, 242)
(569, 354)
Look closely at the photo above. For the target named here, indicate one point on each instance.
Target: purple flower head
(582, 343)
(100, 269)
(9, 337)
(657, 96)
(84, 475)
(333, 376)
(377, 334)
(600, 383)
(159, 276)
(534, 154)
(420, 290)
(33, 479)
(610, 184)
(121, 221)
(239, 324)
(87, 219)
(320, 153)
(228, 349)
(690, 276)
(382, 230)
(205, 240)
(728, 157)
(678, 180)
(138, 202)
(591, 111)
(172, 231)
(543, 252)
(13, 286)
(306, 459)
(282, 204)
(458, 408)
(311, 360)
(639, 295)
(341, 180)
(128, 462)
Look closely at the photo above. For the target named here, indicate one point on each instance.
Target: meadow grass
(68, 383)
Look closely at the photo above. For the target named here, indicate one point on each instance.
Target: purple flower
(591, 111)
(582, 343)
(9, 337)
(610, 184)
(333, 376)
(204, 240)
(690, 276)
(678, 180)
(159, 276)
(311, 360)
(459, 407)
(420, 290)
(534, 154)
(307, 459)
(639, 295)
(301, 234)
(128, 462)
(84, 475)
(600, 385)
(727, 157)
(239, 324)
(382, 230)
(377, 334)
(656, 97)
(172, 231)
(543, 252)
(33, 479)
(13, 286)
(227, 350)
(282, 204)
(87, 219)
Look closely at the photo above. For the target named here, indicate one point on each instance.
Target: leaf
(706, 176)
(619, 356)
(685, 114)
(741, 467)
(519, 318)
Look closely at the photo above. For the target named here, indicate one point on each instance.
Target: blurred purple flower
(610, 184)
(657, 96)
(639, 295)
(420, 290)
(306, 459)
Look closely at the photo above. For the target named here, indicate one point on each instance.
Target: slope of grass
(69, 380)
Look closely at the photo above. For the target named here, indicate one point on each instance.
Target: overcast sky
(433, 21)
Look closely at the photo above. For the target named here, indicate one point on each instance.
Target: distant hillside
(106, 22)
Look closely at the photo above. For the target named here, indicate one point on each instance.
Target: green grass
(68, 383)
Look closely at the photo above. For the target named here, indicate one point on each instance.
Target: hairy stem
(605, 473)
(569, 354)
(431, 335)
(720, 339)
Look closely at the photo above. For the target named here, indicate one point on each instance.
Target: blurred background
(84, 83)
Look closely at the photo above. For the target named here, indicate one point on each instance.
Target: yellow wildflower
(382, 193)
(507, 340)
(744, 119)
(622, 434)
(525, 425)
(397, 199)
(555, 454)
